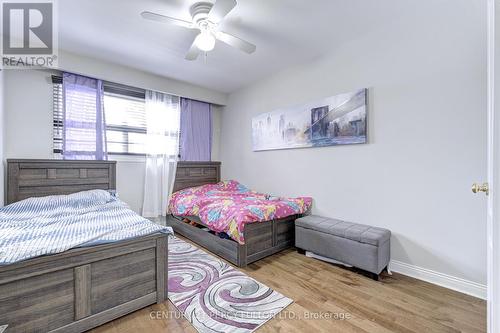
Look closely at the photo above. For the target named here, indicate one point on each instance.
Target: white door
(493, 166)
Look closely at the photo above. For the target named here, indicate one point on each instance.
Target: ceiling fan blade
(193, 52)
(220, 9)
(236, 42)
(166, 19)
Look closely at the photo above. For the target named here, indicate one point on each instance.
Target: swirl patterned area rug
(215, 297)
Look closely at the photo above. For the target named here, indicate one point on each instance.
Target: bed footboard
(83, 288)
(262, 239)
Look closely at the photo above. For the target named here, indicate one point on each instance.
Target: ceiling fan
(205, 18)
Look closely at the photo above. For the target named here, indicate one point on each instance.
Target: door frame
(493, 227)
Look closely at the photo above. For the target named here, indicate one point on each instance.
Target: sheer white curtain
(162, 147)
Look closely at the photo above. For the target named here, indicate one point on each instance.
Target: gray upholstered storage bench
(361, 246)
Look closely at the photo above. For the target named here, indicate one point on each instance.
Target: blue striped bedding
(54, 224)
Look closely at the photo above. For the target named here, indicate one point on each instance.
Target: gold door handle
(481, 188)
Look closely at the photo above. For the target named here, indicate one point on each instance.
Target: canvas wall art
(336, 120)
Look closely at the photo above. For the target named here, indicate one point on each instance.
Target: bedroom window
(124, 110)
(125, 124)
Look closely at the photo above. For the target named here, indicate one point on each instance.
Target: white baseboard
(440, 279)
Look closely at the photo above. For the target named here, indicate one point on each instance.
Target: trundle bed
(85, 287)
(262, 239)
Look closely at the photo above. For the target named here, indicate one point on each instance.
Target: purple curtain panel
(84, 128)
(196, 131)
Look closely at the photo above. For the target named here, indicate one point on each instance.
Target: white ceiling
(286, 32)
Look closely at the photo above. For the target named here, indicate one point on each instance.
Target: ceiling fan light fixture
(205, 41)
(206, 18)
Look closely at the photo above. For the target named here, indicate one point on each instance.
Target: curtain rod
(122, 88)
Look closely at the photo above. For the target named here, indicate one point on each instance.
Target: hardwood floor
(394, 304)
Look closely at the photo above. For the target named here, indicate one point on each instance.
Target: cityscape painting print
(332, 121)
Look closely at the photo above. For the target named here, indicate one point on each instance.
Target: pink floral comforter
(229, 205)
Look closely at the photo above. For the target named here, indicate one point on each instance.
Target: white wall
(28, 114)
(119, 74)
(28, 130)
(427, 136)
(216, 131)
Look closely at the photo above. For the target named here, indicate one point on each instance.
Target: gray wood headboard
(36, 178)
(190, 174)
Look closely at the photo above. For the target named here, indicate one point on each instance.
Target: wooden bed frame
(82, 288)
(261, 239)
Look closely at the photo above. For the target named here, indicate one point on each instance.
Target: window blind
(125, 118)
(57, 128)
(125, 124)
(125, 114)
